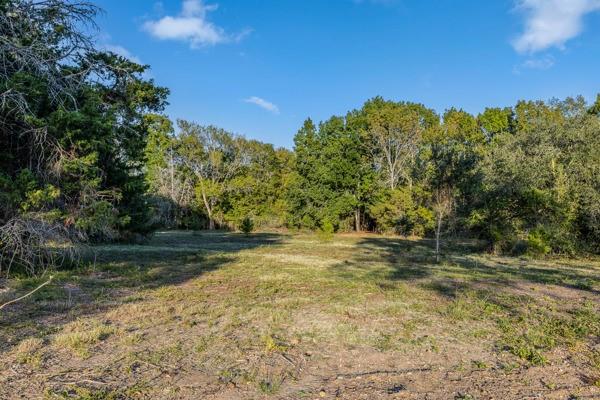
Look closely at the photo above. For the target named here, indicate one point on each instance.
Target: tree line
(88, 156)
(524, 178)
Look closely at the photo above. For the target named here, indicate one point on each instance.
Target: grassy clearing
(250, 315)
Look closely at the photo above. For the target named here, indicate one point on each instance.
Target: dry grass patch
(30, 352)
(81, 335)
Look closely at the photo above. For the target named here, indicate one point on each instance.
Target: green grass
(248, 309)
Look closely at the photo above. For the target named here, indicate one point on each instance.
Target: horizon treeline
(525, 178)
(86, 155)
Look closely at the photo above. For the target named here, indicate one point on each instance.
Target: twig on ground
(286, 358)
(90, 381)
(383, 372)
(27, 295)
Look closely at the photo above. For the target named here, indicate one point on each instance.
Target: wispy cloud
(122, 51)
(541, 63)
(192, 26)
(262, 103)
(551, 23)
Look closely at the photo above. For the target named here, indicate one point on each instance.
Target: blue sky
(260, 67)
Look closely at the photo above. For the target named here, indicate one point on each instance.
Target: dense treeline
(525, 178)
(87, 156)
(206, 177)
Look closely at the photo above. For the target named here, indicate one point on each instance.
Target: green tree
(541, 183)
(72, 133)
(495, 121)
(215, 157)
(394, 132)
(333, 176)
(258, 189)
(305, 195)
(159, 153)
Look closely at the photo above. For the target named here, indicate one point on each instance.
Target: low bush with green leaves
(247, 225)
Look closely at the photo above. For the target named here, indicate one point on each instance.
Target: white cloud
(122, 51)
(262, 103)
(551, 23)
(192, 26)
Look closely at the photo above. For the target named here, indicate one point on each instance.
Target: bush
(417, 222)
(308, 222)
(326, 231)
(398, 212)
(537, 243)
(247, 225)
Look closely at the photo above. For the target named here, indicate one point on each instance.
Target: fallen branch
(35, 245)
(286, 358)
(90, 381)
(384, 372)
(27, 295)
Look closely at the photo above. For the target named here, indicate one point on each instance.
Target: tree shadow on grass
(172, 258)
(508, 271)
(120, 271)
(403, 259)
(463, 266)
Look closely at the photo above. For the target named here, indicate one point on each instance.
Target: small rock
(396, 389)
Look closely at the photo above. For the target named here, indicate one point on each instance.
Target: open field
(277, 315)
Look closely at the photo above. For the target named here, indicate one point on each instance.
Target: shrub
(397, 211)
(308, 222)
(417, 222)
(247, 225)
(327, 229)
(537, 243)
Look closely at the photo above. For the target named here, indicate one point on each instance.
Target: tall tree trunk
(211, 221)
(172, 171)
(172, 194)
(357, 220)
(437, 238)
